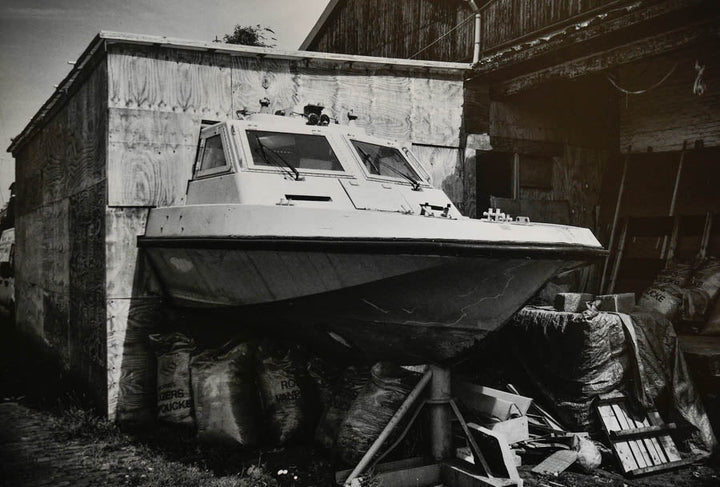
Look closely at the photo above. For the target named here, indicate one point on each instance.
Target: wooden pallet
(642, 445)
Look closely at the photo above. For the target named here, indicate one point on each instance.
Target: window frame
(419, 172)
(208, 133)
(270, 168)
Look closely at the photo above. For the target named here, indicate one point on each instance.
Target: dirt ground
(81, 449)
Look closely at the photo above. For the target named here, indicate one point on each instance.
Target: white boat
(330, 232)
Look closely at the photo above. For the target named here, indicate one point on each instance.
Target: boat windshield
(293, 151)
(381, 160)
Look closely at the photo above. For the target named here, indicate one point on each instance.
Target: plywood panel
(437, 111)
(318, 86)
(425, 108)
(446, 171)
(55, 247)
(128, 272)
(131, 376)
(56, 323)
(169, 80)
(87, 334)
(577, 178)
(148, 174)
(352, 93)
(390, 99)
(257, 78)
(74, 141)
(29, 315)
(150, 156)
(28, 247)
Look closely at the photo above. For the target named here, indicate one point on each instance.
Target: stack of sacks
(702, 292)
(665, 295)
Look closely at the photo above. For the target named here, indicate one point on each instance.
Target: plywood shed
(118, 137)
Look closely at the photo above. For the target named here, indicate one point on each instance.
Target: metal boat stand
(446, 469)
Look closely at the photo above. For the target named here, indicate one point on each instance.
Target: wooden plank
(131, 370)
(646, 445)
(129, 274)
(621, 448)
(664, 466)
(556, 463)
(656, 451)
(642, 431)
(637, 448)
(665, 441)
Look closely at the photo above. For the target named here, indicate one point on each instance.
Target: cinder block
(572, 302)
(619, 303)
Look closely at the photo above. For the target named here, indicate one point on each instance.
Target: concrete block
(572, 302)
(619, 303)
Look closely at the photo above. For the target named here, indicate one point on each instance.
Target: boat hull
(408, 307)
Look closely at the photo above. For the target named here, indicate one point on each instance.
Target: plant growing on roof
(250, 35)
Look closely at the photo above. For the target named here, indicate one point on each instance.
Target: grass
(137, 464)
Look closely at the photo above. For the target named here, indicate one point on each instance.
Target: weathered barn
(563, 95)
(119, 137)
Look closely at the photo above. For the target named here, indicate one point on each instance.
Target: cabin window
(380, 160)
(213, 155)
(292, 151)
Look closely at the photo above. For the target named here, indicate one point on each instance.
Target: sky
(38, 38)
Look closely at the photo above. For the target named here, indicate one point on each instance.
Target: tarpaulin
(574, 357)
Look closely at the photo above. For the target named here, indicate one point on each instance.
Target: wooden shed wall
(504, 21)
(399, 28)
(666, 116)
(574, 124)
(157, 98)
(154, 124)
(60, 227)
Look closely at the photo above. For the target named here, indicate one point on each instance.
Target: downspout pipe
(476, 47)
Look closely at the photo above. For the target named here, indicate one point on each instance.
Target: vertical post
(673, 200)
(621, 190)
(516, 176)
(440, 430)
(476, 49)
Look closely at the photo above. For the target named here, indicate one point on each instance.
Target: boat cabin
(277, 160)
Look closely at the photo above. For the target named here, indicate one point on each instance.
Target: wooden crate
(643, 444)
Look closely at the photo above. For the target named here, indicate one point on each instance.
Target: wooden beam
(581, 32)
(602, 61)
